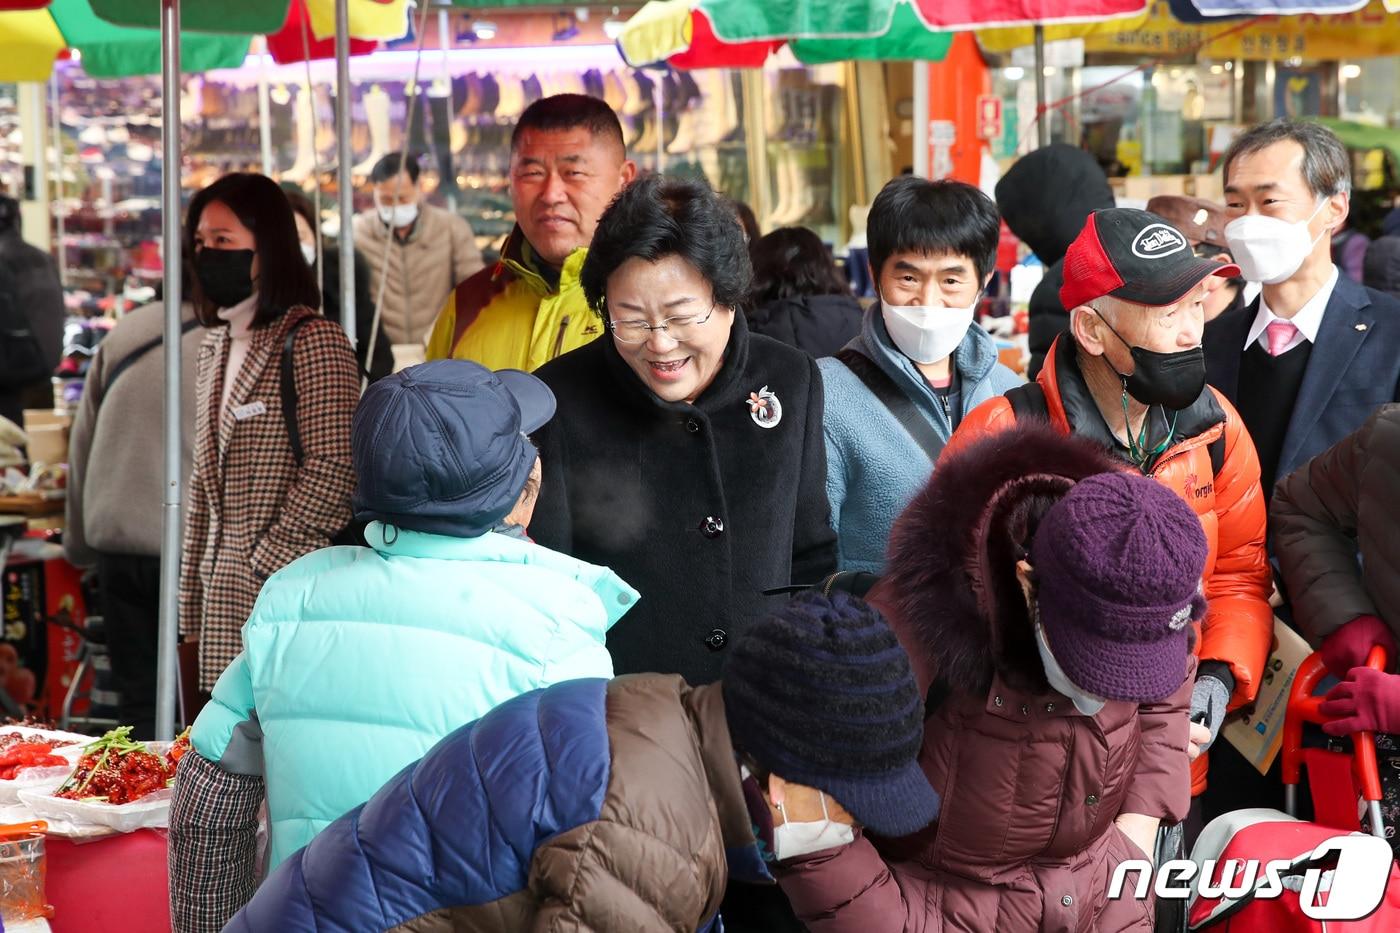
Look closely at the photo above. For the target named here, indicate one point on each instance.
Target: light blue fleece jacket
(356, 661)
(873, 467)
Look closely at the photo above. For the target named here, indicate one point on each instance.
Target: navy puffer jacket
(589, 805)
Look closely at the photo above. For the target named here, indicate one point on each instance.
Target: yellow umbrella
(32, 42)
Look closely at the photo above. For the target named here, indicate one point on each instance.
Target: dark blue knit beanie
(821, 693)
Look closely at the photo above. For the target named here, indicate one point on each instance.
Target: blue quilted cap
(442, 447)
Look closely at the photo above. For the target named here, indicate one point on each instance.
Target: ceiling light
(1014, 73)
(1351, 71)
(484, 29)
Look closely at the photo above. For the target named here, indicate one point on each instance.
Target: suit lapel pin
(764, 408)
(1361, 327)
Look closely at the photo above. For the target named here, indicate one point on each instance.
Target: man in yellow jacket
(568, 161)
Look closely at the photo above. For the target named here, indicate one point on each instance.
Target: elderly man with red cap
(1131, 374)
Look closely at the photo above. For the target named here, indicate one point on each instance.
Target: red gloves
(1348, 646)
(1368, 700)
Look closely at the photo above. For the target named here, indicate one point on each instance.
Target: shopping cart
(1344, 785)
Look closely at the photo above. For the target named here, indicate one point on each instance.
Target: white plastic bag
(150, 812)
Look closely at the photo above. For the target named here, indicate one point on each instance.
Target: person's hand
(1209, 698)
(1367, 701)
(1348, 646)
(1141, 831)
(802, 804)
(1199, 739)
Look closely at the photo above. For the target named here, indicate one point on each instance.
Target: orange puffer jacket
(1238, 627)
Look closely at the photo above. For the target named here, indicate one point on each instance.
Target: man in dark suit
(1309, 360)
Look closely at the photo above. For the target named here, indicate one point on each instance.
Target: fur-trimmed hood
(951, 577)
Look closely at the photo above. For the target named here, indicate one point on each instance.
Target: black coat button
(692, 426)
(716, 640)
(712, 527)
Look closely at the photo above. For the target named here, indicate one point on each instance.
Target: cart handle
(1303, 707)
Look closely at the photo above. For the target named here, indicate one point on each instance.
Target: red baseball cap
(1136, 256)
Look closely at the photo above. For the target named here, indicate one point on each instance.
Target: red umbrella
(287, 44)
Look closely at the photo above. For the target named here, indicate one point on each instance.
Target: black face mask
(225, 275)
(1172, 380)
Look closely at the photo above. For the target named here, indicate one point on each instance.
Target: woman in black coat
(799, 296)
(687, 453)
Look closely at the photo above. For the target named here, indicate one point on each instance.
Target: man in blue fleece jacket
(897, 391)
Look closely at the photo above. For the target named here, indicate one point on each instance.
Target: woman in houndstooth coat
(255, 506)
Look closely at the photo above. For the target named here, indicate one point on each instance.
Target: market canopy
(35, 38)
(1371, 32)
(1368, 31)
(683, 34)
(741, 33)
(369, 19)
(121, 38)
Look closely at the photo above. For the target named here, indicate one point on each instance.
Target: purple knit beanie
(1118, 565)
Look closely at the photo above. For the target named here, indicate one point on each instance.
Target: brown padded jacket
(655, 857)
(1337, 505)
(587, 806)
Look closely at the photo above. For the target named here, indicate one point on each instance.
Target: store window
(1371, 91)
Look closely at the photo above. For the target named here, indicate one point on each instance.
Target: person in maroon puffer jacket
(1052, 596)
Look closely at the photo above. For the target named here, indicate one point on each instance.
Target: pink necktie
(1280, 334)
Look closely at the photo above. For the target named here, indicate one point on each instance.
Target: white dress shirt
(1307, 320)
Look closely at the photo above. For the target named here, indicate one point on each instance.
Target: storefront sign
(942, 134)
(988, 116)
(1367, 33)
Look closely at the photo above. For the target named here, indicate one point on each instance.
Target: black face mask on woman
(225, 275)
(1172, 380)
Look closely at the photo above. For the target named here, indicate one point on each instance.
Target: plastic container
(22, 869)
(149, 812)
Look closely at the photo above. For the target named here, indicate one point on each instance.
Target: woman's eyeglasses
(679, 328)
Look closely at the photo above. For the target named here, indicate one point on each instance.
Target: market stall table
(117, 882)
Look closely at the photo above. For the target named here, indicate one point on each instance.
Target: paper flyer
(1258, 734)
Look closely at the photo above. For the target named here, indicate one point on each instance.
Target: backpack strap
(125, 362)
(289, 390)
(1217, 454)
(1028, 402)
(900, 406)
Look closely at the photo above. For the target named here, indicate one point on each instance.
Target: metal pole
(60, 207)
(343, 92)
(264, 115)
(1042, 121)
(751, 86)
(166, 671)
(658, 99)
(36, 205)
(921, 118)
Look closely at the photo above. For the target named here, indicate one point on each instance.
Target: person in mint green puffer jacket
(356, 661)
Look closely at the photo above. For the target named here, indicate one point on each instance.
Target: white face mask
(927, 334)
(793, 839)
(400, 215)
(1269, 250)
(1086, 703)
(309, 251)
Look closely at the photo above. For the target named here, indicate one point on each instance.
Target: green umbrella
(245, 17)
(32, 38)
(682, 32)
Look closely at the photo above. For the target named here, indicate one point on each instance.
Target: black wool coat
(820, 325)
(699, 506)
